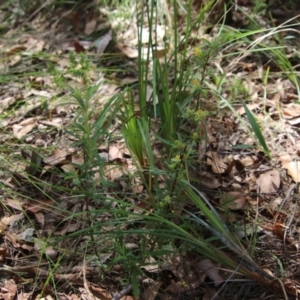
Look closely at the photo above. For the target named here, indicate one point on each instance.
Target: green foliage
(174, 109)
(89, 133)
(131, 130)
(257, 131)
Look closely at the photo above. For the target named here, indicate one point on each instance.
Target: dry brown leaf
(3, 224)
(77, 159)
(12, 219)
(40, 218)
(91, 25)
(292, 167)
(78, 47)
(67, 168)
(25, 296)
(114, 153)
(41, 205)
(20, 131)
(15, 50)
(68, 297)
(14, 203)
(137, 188)
(6, 102)
(40, 143)
(36, 45)
(216, 162)
(71, 227)
(99, 292)
(102, 43)
(58, 157)
(51, 253)
(13, 238)
(55, 122)
(151, 265)
(291, 110)
(233, 200)
(128, 297)
(113, 172)
(269, 272)
(3, 253)
(127, 81)
(269, 182)
(211, 270)
(88, 295)
(9, 290)
(8, 183)
(208, 131)
(151, 292)
(247, 161)
(36, 102)
(131, 52)
(208, 180)
(14, 60)
(26, 247)
(294, 121)
(250, 106)
(104, 156)
(28, 121)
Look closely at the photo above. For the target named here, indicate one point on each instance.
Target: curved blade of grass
(257, 131)
(225, 103)
(131, 131)
(171, 231)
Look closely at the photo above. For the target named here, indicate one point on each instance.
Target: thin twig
(118, 296)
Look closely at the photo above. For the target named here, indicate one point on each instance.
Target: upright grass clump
(172, 75)
(178, 114)
(169, 77)
(130, 129)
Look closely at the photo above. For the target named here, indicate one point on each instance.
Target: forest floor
(46, 248)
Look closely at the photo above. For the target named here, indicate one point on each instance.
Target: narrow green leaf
(257, 130)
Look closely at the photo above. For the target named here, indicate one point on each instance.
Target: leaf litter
(244, 179)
